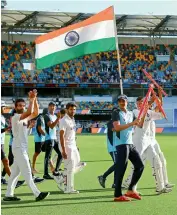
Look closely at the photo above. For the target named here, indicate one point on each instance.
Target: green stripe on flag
(90, 47)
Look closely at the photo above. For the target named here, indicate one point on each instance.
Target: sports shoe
(11, 198)
(42, 196)
(71, 192)
(164, 190)
(102, 181)
(3, 181)
(61, 187)
(48, 177)
(38, 180)
(169, 185)
(133, 195)
(58, 178)
(56, 173)
(19, 183)
(122, 199)
(80, 167)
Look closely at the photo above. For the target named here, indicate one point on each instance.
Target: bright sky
(158, 7)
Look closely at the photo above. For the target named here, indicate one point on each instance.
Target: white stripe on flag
(96, 31)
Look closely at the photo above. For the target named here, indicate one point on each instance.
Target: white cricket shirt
(142, 135)
(152, 129)
(68, 125)
(20, 132)
(3, 123)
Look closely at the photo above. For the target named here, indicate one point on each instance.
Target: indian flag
(93, 35)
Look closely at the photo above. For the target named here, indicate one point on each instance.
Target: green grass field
(94, 200)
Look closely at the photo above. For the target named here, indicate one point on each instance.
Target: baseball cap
(52, 103)
(124, 97)
(3, 104)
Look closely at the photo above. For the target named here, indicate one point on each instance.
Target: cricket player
(156, 146)
(69, 149)
(7, 162)
(36, 180)
(143, 143)
(10, 160)
(20, 148)
(39, 139)
(51, 121)
(112, 151)
(4, 128)
(123, 122)
(62, 114)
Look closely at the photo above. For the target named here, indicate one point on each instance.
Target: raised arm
(160, 95)
(32, 97)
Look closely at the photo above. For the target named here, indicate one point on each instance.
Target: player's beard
(71, 114)
(20, 111)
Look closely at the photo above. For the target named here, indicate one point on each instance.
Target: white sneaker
(80, 167)
(164, 190)
(71, 192)
(59, 178)
(169, 185)
(61, 187)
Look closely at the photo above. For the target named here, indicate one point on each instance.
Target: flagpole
(118, 56)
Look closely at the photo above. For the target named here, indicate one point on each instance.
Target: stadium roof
(44, 22)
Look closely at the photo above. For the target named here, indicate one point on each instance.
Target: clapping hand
(32, 94)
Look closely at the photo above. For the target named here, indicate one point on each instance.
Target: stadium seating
(99, 68)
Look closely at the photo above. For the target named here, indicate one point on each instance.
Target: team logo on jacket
(72, 38)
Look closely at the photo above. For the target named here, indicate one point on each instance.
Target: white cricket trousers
(73, 159)
(21, 165)
(71, 166)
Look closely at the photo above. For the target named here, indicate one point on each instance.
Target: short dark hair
(70, 104)
(18, 101)
(63, 111)
(139, 98)
(52, 103)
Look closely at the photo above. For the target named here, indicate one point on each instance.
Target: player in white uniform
(161, 156)
(157, 147)
(145, 147)
(4, 128)
(20, 148)
(69, 149)
(62, 114)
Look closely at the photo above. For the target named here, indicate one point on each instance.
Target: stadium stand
(99, 68)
